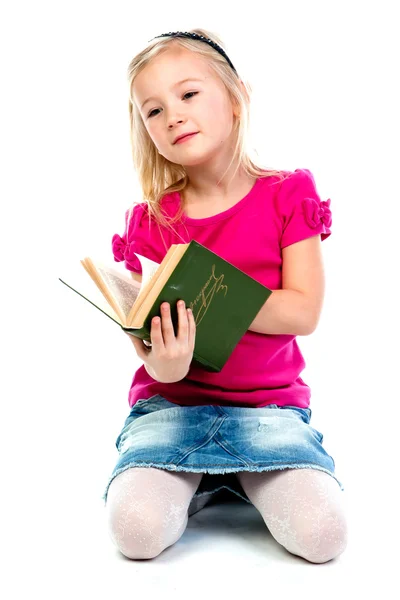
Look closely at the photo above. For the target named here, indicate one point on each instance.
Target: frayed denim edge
(220, 472)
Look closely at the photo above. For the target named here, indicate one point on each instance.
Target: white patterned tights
(147, 510)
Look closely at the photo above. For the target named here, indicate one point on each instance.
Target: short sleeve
(136, 238)
(302, 212)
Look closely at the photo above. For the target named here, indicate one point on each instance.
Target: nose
(173, 121)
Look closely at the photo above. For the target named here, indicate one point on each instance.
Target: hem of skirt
(225, 470)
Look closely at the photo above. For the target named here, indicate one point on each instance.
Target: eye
(191, 94)
(187, 93)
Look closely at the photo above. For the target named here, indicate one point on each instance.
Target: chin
(189, 160)
(193, 159)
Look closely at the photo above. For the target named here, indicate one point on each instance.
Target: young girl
(190, 433)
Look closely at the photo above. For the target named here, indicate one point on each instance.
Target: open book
(224, 299)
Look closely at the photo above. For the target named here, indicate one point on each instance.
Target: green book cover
(224, 301)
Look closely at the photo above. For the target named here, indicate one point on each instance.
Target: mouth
(185, 137)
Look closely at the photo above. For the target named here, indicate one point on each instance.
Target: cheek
(152, 131)
(150, 128)
(218, 116)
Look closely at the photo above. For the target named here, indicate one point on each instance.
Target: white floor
(226, 552)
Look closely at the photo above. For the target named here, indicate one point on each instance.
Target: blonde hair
(157, 175)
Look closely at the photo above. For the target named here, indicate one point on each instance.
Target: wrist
(151, 372)
(168, 379)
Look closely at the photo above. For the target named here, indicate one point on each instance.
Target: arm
(150, 371)
(154, 375)
(136, 276)
(296, 308)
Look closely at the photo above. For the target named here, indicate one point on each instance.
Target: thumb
(139, 347)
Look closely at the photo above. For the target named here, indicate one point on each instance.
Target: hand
(169, 356)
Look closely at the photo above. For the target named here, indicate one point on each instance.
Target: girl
(191, 433)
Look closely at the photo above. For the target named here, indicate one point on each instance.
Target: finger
(167, 327)
(156, 335)
(192, 329)
(183, 322)
(138, 344)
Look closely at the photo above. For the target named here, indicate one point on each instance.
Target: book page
(116, 283)
(149, 267)
(79, 281)
(124, 288)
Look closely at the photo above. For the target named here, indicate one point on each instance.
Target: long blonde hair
(157, 176)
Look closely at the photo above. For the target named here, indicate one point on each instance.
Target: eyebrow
(174, 86)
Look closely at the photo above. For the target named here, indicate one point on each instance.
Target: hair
(158, 176)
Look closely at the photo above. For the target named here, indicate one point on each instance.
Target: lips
(182, 137)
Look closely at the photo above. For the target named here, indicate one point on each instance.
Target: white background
(324, 78)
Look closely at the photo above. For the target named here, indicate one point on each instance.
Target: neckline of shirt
(224, 214)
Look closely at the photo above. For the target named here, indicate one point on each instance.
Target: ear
(235, 105)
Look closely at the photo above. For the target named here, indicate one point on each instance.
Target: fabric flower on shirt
(317, 212)
(125, 251)
(121, 249)
(118, 247)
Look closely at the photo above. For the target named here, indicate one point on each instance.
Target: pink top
(263, 369)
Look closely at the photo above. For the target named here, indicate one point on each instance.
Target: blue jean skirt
(219, 441)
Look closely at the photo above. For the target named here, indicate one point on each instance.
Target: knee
(323, 541)
(138, 534)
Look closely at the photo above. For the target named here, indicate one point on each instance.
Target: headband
(201, 38)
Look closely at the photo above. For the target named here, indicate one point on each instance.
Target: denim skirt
(218, 441)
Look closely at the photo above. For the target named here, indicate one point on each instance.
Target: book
(224, 299)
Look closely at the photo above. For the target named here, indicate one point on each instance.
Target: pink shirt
(263, 369)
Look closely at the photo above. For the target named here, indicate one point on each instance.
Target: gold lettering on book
(203, 300)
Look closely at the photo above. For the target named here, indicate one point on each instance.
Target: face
(170, 109)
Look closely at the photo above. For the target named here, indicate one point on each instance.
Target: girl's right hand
(169, 356)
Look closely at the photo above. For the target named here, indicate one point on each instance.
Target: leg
(302, 509)
(147, 509)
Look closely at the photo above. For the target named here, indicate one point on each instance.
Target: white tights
(147, 510)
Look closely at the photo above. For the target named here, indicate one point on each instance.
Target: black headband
(201, 38)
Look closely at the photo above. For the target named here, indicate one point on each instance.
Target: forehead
(169, 67)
